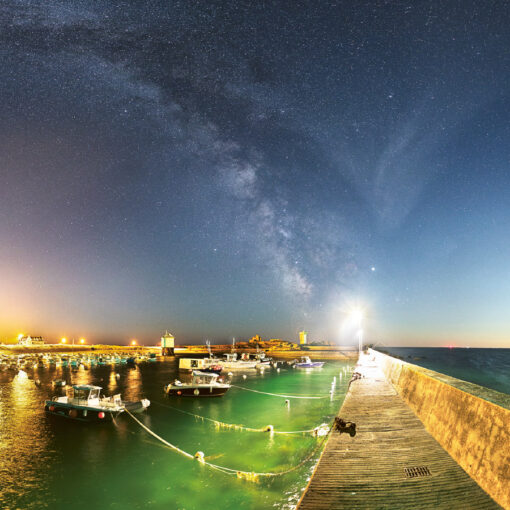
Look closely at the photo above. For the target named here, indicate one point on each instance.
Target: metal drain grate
(413, 472)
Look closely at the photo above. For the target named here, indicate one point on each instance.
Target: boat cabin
(231, 357)
(204, 378)
(86, 394)
(192, 363)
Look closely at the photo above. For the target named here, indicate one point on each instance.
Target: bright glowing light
(82, 340)
(372, 268)
(63, 340)
(20, 336)
(133, 342)
(356, 314)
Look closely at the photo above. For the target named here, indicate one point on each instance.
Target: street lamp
(357, 316)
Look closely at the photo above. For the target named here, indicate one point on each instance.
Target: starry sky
(228, 168)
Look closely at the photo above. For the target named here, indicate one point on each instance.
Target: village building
(30, 341)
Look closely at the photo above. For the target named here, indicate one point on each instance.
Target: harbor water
(486, 367)
(57, 463)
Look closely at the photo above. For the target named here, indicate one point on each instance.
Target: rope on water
(245, 475)
(220, 424)
(278, 395)
(170, 445)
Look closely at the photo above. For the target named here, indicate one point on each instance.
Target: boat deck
(391, 463)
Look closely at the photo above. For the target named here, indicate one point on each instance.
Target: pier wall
(475, 432)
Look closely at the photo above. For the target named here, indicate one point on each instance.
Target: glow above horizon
(224, 171)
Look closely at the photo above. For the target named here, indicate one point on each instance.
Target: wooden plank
(367, 471)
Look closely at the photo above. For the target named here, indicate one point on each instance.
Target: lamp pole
(360, 336)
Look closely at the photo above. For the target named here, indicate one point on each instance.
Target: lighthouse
(302, 337)
(167, 344)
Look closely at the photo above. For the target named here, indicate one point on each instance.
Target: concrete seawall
(475, 432)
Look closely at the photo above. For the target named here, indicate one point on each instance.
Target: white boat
(202, 385)
(201, 364)
(306, 362)
(84, 403)
(231, 362)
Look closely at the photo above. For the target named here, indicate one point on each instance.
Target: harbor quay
(419, 442)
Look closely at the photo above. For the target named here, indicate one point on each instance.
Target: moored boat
(202, 385)
(306, 362)
(84, 403)
(231, 362)
(207, 365)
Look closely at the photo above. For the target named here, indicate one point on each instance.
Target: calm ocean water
(486, 367)
(60, 464)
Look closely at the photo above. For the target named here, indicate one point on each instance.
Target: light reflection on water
(48, 462)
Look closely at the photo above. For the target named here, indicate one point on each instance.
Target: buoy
(100, 415)
(73, 413)
(269, 428)
(200, 457)
(117, 376)
(230, 374)
(38, 382)
(179, 392)
(52, 408)
(287, 403)
(196, 392)
(277, 369)
(244, 376)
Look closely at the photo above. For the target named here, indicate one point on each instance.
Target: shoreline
(72, 349)
(313, 352)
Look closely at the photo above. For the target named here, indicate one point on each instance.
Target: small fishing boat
(207, 365)
(202, 385)
(230, 362)
(84, 403)
(306, 362)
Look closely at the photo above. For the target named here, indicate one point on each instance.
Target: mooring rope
(220, 424)
(278, 395)
(170, 445)
(245, 475)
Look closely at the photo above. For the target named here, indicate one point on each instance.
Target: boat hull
(206, 391)
(309, 365)
(79, 413)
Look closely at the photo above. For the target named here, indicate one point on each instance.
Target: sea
(486, 367)
(56, 463)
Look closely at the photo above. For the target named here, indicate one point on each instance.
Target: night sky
(228, 168)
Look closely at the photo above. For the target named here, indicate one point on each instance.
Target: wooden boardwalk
(368, 471)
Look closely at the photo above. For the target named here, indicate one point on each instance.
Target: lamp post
(357, 315)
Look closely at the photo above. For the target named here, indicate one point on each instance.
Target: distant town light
(133, 342)
(82, 340)
(64, 340)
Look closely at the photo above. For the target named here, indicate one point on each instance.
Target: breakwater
(313, 352)
(475, 432)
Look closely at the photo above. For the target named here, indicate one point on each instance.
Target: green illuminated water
(60, 464)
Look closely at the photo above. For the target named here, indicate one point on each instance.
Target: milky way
(230, 168)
